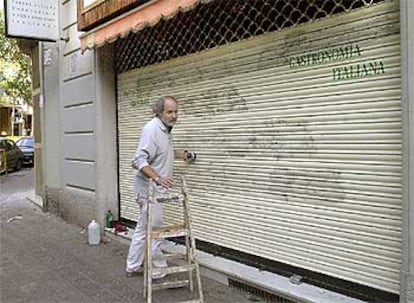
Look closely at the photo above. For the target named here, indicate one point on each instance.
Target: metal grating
(259, 294)
(221, 22)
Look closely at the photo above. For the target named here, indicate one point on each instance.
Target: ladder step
(169, 198)
(191, 301)
(172, 269)
(167, 257)
(170, 284)
(169, 231)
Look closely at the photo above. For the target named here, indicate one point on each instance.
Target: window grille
(220, 22)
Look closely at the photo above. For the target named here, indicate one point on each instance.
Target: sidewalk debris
(119, 228)
(295, 279)
(19, 217)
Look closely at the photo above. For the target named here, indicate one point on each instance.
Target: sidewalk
(44, 259)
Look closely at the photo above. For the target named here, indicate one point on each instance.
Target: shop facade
(299, 115)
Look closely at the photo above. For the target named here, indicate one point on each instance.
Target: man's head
(166, 108)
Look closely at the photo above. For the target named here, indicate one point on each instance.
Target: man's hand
(166, 182)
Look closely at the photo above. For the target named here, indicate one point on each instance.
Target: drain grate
(259, 293)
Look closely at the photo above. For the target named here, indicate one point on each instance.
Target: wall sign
(32, 19)
(342, 53)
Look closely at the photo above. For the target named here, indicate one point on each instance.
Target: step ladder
(179, 230)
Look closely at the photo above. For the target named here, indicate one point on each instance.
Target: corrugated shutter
(295, 164)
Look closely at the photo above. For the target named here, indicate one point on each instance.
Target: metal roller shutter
(299, 154)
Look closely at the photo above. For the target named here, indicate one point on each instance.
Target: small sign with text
(32, 19)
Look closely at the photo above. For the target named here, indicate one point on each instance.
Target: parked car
(26, 145)
(13, 153)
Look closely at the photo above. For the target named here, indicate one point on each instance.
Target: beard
(169, 123)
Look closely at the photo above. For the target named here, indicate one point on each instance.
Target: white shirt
(155, 149)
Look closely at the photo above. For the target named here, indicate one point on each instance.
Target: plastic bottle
(108, 219)
(94, 233)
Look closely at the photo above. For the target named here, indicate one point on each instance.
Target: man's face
(170, 113)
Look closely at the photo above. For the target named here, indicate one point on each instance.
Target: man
(153, 160)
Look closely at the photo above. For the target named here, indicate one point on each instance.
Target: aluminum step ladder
(179, 230)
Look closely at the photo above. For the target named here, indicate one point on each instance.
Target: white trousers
(136, 251)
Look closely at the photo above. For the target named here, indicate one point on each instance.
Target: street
(44, 259)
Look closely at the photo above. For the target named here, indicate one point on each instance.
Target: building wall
(70, 193)
(106, 134)
(5, 120)
(37, 118)
(52, 129)
(79, 126)
(21, 128)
